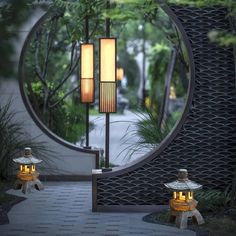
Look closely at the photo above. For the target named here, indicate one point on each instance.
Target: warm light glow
(87, 73)
(183, 201)
(108, 74)
(190, 195)
(87, 90)
(120, 73)
(181, 196)
(172, 93)
(26, 169)
(174, 195)
(33, 168)
(107, 97)
(107, 59)
(86, 60)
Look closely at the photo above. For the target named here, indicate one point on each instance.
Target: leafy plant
(222, 38)
(212, 199)
(146, 132)
(69, 122)
(14, 139)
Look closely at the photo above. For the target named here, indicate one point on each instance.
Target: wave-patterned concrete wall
(204, 141)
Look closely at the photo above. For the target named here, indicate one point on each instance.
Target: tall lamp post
(142, 29)
(107, 82)
(87, 75)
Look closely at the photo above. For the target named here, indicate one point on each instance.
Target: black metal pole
(87, 124)
(107, 135)
(87, 104)
(144, 68)
(108, 22)
(107, 140)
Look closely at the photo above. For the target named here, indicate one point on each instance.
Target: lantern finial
(183, 175)
(27, 152)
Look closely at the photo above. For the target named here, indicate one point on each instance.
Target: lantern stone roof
(183, 183)
(27, 159)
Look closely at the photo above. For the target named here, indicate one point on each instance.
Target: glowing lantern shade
(27, 176)
(172, 95)
(87, 73)
(183, 205)
(120, 73)
(108, 74)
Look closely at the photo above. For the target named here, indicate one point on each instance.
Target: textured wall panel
(206, 142)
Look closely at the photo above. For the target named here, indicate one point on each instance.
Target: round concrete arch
(26, 99)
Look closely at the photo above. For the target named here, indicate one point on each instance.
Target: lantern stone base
(26, 185)
(181, 217)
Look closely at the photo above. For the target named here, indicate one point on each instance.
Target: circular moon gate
(30, 109)
(204, 141)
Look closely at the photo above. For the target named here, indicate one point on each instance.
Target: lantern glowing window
(87, 73)
(108, 75)
(27, 176)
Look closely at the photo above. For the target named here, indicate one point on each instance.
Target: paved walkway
(120, 125)
(64, 208)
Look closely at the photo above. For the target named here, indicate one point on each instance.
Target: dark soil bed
(220, 223)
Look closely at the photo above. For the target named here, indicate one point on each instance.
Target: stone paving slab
(64, 208)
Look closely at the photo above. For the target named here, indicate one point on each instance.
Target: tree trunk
(183, 76)
(168, 77)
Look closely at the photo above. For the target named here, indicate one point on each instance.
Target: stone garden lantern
(27, 176)
(183, 205)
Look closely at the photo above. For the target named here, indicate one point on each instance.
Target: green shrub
(148, 132)
(211, 200)
(74, 123)
(13, 141)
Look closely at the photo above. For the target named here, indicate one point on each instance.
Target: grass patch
(220, 226)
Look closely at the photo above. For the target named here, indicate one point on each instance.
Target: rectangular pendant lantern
(108, 75)
(120, 73)
(87, 73)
